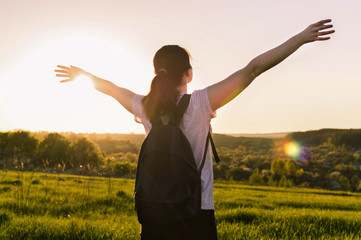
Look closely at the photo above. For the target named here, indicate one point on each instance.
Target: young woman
(173, 72)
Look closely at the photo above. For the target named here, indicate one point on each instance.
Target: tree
(271, 182)
(291, 168)
(84, 152)
(357, 156)
(299, 172)
(278, 167)
(306, 176)
(256, 178)
(220, 170)
(19, 144)
(355, 181)
(131, 157)
(284, 182)
(344, 183)
(122, 169)
(239, 174)
(5, 149)
(55, 149)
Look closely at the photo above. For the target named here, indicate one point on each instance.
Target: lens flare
(292, 149)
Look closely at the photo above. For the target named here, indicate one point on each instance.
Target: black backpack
(168, 183)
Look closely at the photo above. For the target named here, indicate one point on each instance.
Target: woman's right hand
(70, 73)
(122, 95)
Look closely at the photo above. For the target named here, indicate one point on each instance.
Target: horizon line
(225, 133)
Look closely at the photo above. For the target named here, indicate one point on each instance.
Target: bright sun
(33, 99)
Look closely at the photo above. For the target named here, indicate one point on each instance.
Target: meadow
(59, 206)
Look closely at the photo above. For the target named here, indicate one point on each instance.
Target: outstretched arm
(122, 95)
(224, 91)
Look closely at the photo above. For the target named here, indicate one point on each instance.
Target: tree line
(350, 138)
(79, 155)
(328, 158)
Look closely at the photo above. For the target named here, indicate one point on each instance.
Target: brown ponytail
(170, 63)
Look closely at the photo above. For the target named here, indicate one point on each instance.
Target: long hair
(170, 63)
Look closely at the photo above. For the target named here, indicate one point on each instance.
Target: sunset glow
(116, 40)
(33, 89)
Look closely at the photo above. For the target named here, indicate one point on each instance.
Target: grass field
(50, 206)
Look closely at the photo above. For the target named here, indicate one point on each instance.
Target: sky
(316, 87)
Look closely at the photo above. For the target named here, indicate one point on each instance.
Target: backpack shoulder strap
(182, 107)
(214, 150)
(176, 114)
(215, 155)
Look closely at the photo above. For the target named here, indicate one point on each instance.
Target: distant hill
(134, 138)
(223, 140)
(338, 137)
(260, 135)
(110, 142)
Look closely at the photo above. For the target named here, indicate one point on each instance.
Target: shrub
(122, 169)
(35, 182)
(256, 178)
(344, 183)
(4, 217)
(284, 182)
(271, 182)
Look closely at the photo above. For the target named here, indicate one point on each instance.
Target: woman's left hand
(315, 32)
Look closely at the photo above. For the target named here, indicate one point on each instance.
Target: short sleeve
(201, 102)
(137, 108)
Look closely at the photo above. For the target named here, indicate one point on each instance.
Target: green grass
(40, 206)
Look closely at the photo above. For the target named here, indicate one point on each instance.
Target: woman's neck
(183, 88)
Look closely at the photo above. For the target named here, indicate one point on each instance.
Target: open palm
(70, 73)
(316, 31)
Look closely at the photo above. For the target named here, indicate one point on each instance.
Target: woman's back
(195, 126)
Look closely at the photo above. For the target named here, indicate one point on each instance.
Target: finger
(324, 27)
(326, 32)
(319, 23)
(62, 75)
(66, 80)
(61, 71)
(63, 67)
(74, 67)
(322, 38)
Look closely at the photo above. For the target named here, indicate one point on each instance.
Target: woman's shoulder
(200, 101)
(200, 93)
(137, 105)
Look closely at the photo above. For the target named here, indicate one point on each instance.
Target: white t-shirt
(195, 126)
